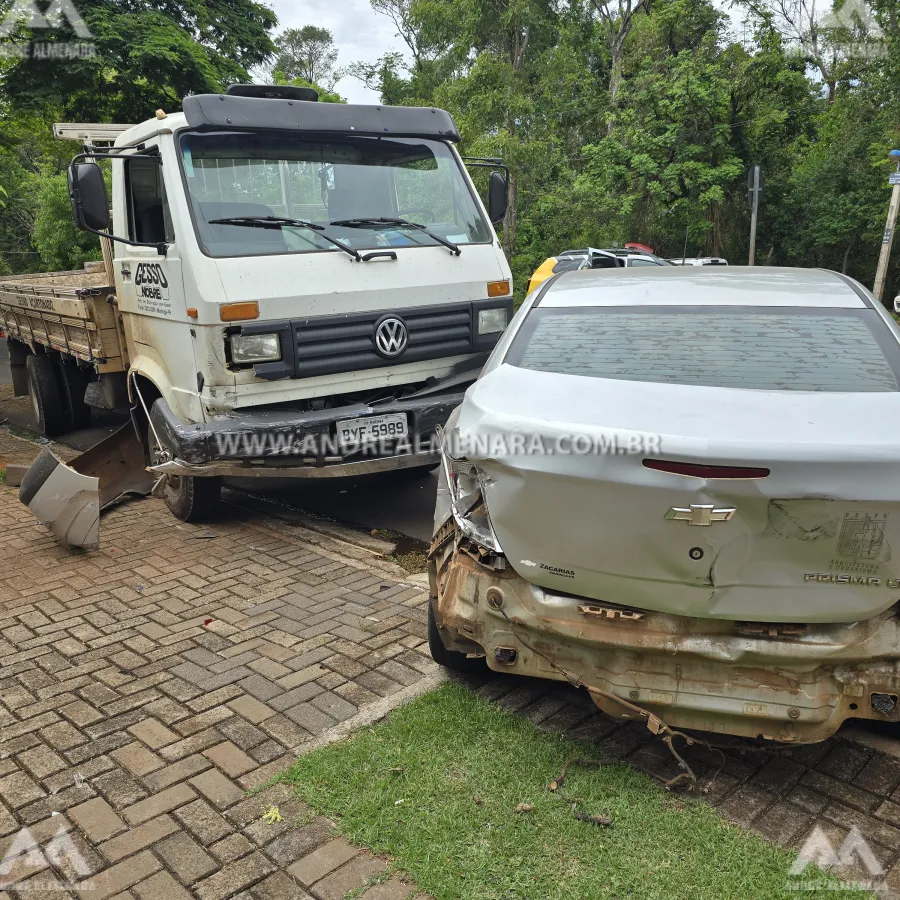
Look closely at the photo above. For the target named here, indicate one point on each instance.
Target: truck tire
(192, 499)
(46, 396)
(74, 383)
(450, 659)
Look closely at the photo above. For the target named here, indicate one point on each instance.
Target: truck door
(149, 283)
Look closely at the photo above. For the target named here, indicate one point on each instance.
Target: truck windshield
(337, 183)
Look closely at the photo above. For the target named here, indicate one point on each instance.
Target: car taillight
(698, 470)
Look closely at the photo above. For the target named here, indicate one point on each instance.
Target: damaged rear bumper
(784, 683)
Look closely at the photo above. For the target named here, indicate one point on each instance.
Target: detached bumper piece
(68, 498)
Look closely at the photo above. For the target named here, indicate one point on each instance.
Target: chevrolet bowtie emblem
(700, 515)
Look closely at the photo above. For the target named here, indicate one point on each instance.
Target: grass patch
(409, 553)
(415, 562)
(437, 784)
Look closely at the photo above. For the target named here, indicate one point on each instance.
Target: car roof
(608, 251)
(704, 286)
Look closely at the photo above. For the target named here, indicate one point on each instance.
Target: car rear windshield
(758, 348)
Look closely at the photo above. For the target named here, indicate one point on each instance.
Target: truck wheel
(74, 384)
(46, 396)
(192, 499)
(450, 659)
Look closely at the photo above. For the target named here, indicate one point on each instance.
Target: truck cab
(305, 289)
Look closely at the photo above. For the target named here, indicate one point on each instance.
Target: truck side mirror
(90, 202)
(498, 197)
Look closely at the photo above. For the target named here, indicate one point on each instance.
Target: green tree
(62, 247)
(489, 52)
(666, 168)
(138, 57)
(308, 53)
(325, 96)
(617, 20)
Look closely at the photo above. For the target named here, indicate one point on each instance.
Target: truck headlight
(491, 321)
(253, 348)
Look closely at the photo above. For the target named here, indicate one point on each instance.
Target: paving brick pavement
(15, 451)
(147, 686)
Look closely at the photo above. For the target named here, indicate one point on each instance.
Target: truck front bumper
(285, 443)
(784, 683)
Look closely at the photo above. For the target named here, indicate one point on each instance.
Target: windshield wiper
(280, 222)
(374, 223)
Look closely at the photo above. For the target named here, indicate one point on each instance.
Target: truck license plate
(372, 429)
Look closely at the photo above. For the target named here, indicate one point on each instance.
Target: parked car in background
(699, 261)
(652, 489)
(591, 258)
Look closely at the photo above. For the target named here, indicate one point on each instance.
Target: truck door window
(149, 220)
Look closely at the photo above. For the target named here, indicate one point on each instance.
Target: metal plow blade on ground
(69, 497)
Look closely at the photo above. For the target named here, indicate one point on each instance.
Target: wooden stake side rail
(68, 312)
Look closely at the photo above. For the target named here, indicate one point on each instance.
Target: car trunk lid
(809, 541)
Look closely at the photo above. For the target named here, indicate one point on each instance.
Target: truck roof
(151, 128)
(224, 111)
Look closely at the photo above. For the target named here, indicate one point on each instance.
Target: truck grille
(326, 345)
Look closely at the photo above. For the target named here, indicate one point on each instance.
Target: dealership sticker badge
(862, 536)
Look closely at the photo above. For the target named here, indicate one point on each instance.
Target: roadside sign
(894, 178)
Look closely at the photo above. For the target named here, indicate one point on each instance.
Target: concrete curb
(372, 713)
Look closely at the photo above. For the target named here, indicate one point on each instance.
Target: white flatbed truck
(290, 289)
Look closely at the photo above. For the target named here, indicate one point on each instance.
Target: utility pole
(888, 240)
(755, 186)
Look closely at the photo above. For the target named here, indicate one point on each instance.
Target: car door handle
(126, 273)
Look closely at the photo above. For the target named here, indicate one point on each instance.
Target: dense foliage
(620, 119)
(640, 121)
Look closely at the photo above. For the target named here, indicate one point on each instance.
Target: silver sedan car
(680, 488)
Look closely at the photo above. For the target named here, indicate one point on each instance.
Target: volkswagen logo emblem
(391, 337)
